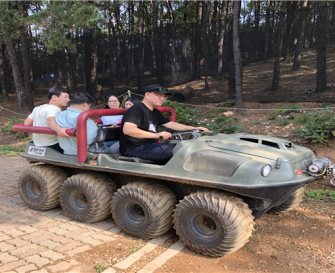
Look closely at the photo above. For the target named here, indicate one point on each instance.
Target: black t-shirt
(146, 120)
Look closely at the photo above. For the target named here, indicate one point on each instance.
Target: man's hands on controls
(202, 129)
(164, 135)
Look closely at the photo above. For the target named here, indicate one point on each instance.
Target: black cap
(156, 88)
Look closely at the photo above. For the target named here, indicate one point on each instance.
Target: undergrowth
(320, 127)
(320, 195)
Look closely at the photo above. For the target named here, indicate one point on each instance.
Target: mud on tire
(213, 223)
(290, 203)
(143, 210)
(86, 197)
(39, 186)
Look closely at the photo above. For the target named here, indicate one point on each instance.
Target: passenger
(112, 102)
(68, 118)
(44, 116)
(129, 102)
(138, 135)
(115, 145)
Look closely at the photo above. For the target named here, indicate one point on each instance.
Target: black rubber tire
(213, 223)
(39, 186)
(290, 203)
(143, 210)
(86, 197)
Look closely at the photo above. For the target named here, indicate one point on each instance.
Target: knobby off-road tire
(213, 223)
(39, 186)
(290, 203)
(86, 197)
(143, 210)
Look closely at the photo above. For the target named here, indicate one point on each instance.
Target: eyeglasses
(157, 89)
(113, 101)
(162, 96)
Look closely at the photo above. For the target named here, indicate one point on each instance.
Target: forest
(121, 45)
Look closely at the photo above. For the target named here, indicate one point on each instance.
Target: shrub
(320, 127)
(185, 115)
(8, 127)
(302, 119)
(290, 109)
(222, 125)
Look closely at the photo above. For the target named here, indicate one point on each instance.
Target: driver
(138, 134)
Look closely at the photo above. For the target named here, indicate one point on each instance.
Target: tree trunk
(221, 37)
(140, 46)
(237, 57)
(267, 31)
(230, 59)
(197, 42)
(90, 62)
(321, 45)
(257, 12)
(23, 100)
(302, 21)
(291, 8)
(158, 45)
(278, 48)
(5, 97)
(153, 71)
(206, 39)
(25, 60)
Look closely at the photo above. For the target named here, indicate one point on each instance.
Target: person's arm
(131, 129)
(54, 126)
(181, 127)
(28, 122)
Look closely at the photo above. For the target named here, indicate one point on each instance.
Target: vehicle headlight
(266, 169)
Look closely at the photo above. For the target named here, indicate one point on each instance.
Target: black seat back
(107, 134)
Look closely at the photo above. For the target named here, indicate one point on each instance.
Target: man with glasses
(138, 134)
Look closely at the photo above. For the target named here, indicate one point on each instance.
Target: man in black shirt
(138, 135)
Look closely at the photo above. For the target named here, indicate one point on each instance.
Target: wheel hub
(34, 189)
(203, 226)
(134, 213)
(78, 200)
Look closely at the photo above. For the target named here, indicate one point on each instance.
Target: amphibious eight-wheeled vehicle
(210, 191)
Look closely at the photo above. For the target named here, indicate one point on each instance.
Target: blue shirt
(68, 119)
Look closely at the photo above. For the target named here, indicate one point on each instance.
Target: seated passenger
(130, 101)
(114, 146)
(112, 102)
(68, 118)
(44, 116)
(138, 135)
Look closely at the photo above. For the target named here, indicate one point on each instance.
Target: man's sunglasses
(161, 89)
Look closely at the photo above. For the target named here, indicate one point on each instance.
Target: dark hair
(132, 100)
(57, 91)
(107, 98)
(81, 98)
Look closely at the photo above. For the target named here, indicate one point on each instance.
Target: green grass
(11, 150)
(302, 119)
(319, 195)
(290, 108)
(100, 268)
(257, 123)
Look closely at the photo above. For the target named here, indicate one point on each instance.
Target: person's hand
(62, 132)
(202, 129)
(164, 135)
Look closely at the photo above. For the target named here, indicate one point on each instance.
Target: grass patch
(11, 150)
(257, 123)
(273, 116)
(302, 119)
(286, 109)
(320, 195)
(100, 268)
